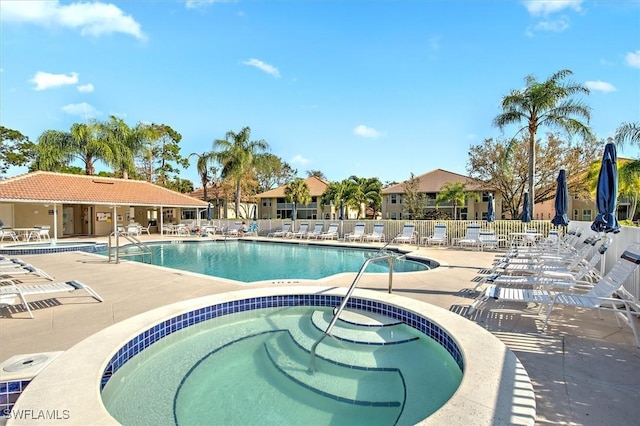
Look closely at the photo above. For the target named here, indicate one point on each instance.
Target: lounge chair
(471, 238)
(23, 290)
(408, 234)
(331, 233)
(607, 294)
(439, 235)
(357, 234)
(20, 269)
(301, 232)
(377, 234)
(282, 232)
(317, 230)
(488, 239)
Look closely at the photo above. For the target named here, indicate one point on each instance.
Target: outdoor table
(25, 233)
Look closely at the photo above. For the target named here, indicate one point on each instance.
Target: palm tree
(548, 104)
(60, 148)
(365, 193)
(297, 192)
(455, 192)
(204, 171)
(237, 155)
(628, 131)
(126, 143)
(336, 193)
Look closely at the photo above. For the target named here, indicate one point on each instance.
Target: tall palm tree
(337, 193)
(126, 143)
(456, 192)
(629, 132)
(237, 155)
(297, 192)
(364, 192)
(549, 104)
(205, 171)
(81, 143)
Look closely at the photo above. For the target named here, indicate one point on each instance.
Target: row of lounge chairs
(564, 273)
(15, 287)
(332, 232)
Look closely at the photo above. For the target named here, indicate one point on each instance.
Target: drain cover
(24, 363)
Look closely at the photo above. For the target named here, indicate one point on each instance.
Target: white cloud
(82, 109)
(299, 159)
(269, 69)
(600, 86)
(547, 7)
(85, 88)
(557, 25)
(45, 80)
(93, 19)
(366, 132)
(633, 59)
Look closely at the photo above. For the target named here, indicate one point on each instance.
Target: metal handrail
(338, 311)
(143, 247)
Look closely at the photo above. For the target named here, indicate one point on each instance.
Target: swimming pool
(250, 261)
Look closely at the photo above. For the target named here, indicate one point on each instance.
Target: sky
(372, 88)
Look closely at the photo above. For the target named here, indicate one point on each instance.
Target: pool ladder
(337, 311)
(144, 249)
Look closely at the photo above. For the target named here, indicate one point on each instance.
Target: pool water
(250, 261)
(251, 368)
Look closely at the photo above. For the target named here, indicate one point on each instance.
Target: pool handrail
(337, 311)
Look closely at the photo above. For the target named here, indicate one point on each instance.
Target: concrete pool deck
(584, 370)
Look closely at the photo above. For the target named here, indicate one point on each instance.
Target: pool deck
(584, 370)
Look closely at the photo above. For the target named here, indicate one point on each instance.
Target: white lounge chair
(331, 233)
(133, 229)
(358, 232)
(408, 234)
(23, 290)
(471, 238)
(301, 232)
(488, 239)
(283, 232)
(439, 235)
(600, 297)
(20, 269)
(377, 234)
(317, 230)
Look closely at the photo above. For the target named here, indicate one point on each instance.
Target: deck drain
(25, 363)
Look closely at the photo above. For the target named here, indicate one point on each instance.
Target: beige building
(431, 184)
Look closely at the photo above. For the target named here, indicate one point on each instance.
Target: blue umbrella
(562, 200)
(526, 214)
(491, 208)
(607, 193)
(255, 212)
(293, 211)
(209, 211)
(341, 209)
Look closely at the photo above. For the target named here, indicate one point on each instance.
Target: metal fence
(457, 229)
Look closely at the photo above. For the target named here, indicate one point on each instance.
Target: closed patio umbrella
(491, 215)
(255, 212)
(562, 200)
(209, 212)
(293, 211)
(341, 210)
(607, 193)
(526, 214)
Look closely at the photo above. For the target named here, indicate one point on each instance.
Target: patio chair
(471, 237)
(331, 233)
(133, 229)
(317, 230)
(23, 290)
(40, 234)
(144, 229)
(357, 234)
(21, 269)
(282, 232)
(607, 294)
(377, 234)
(408, 234)
(301, 232)
(439, 235)
(8, 232)
(488, 239)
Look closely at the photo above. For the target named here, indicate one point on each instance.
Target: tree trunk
(532, 166)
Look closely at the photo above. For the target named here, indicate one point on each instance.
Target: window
(575, 215)
(485, 197)
(586, 215)
(394, 199)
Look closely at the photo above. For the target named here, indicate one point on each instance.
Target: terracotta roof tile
(66, 188)
(316, 186)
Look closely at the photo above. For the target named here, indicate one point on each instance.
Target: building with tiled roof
(272, 204)
(430, 184)
(87, 205)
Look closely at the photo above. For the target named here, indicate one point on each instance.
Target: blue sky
(349, 87)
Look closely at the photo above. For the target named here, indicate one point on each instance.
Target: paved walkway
(584, 370)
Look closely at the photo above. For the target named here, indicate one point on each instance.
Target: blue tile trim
(21, 251)
(158, 331)
(9, 393)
